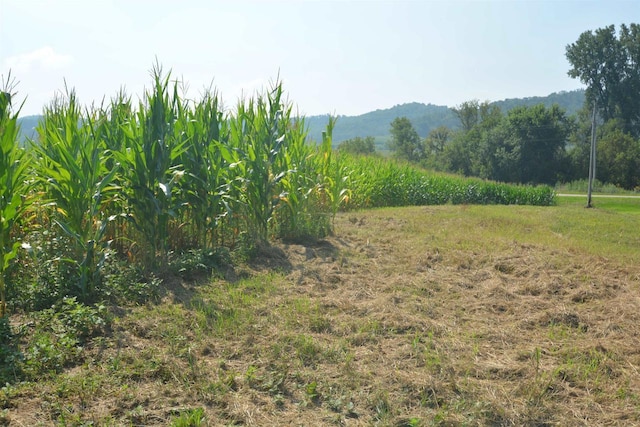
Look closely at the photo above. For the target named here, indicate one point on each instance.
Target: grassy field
(624, 203)
(442, 315)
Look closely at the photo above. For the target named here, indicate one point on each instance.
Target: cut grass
(443, 315)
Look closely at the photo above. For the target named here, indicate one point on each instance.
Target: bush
(358, 145)
(59, 334)
(10, 356)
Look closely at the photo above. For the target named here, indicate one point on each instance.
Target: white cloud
(44, 58)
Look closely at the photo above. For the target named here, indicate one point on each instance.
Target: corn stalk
(205, 187)
(153, 144)
(13, 189)
(72, 162)
(109, 127)
(335, 174)
(256, 140)
(297, 214)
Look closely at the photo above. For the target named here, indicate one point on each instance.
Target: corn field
(375, 182)
(138, 182)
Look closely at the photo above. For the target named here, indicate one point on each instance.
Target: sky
(341, 57)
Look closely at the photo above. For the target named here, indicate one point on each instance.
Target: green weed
(189, 418)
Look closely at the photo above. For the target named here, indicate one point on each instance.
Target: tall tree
(469, 152)
(609, 64)
(405, 141)
(579, 145)
(474, 112)
(538, 136)
(468, 114)
(434, 146)
(437, 139)
(618, 156)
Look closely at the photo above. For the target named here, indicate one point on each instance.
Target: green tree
(405, 141)
(358, 145)
(469, 152)
(609, 65)
(437, 140)
(468, 114)
(529, 145)
(489, 115)
(435, 144)
(618, 156)
(579, 146)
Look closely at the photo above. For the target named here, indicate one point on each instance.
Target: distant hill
(376, 123)
(571, 101)
(425, 117)
(28, 127)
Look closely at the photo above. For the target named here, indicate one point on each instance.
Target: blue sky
(338, 57)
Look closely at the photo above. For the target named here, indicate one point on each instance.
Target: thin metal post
(592, 157)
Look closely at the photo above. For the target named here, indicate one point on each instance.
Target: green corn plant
(111, 122)
(299, 189)
(13, 188)
(335, 174)
(257, 137)
(204, 191)
(71, 165)
(153, 143)
(317, 188)
(109, 128)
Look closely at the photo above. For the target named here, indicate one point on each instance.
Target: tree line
(539, 144)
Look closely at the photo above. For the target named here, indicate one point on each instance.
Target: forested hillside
(571, 101)
(376, 123)
(426, 117)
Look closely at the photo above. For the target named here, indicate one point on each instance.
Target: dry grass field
(449, 315)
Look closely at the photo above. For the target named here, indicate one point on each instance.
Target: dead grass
(447, 315)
